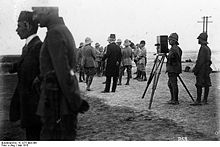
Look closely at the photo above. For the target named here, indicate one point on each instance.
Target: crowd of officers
(91, 60)
(47, 100)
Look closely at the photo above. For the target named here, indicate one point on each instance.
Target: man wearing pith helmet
(118, 42)
(60, 99)
(202, 70)
(173, 67)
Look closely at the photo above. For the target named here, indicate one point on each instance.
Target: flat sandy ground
(124, 115)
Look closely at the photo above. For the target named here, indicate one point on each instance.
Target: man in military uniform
(126, 61)
(173, 67)
(98, 59)
(79, 62)
(26, 96)
(202, 70)
(60, 99)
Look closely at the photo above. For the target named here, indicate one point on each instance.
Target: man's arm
(200, 61)
(106, 55)
(59, 56)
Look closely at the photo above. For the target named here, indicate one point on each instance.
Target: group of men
(96, 60)
(201, 70)
(47, 99)
(137, 53)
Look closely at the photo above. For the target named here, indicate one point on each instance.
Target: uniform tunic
(202, 68)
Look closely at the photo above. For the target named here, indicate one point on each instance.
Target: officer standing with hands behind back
(202, 70)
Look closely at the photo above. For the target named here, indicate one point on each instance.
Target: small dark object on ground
(189, 60)
(187, 69)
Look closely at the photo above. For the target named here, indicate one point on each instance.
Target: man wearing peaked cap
(202, 70)
(54, 10)
(25, 99)
(173, 67)
(60, 99)
(41, 14)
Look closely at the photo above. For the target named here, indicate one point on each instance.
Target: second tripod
(155, 74)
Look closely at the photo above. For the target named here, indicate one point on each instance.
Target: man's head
(42, 14)
(173, 39)
(142, 44)
(26, 25)
(118, 42)
(202, 38)
(88, 41)
(111, 38)
(127, 43)
(97, 45)
(81, 44)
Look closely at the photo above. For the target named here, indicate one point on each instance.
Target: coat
(142, 59)
(57, 66)
(113, 56)
(79, 56)
(126, 56)
(174, 58)
(202, 68)
(89, 56)
(25, 99)
(98, 54)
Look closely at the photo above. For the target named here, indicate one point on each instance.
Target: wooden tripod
(155, 74)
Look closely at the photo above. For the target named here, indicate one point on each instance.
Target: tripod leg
(153, 90)
(186, 88)
(156, 78)
(151, 77)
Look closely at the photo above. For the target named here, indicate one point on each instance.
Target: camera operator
(173, 67)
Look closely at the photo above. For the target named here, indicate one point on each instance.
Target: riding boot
(120, 77)
(175, 94)
(141, 78)
(89, 83)
(80, 77)
(87, 79)
(144, 76)
(128, 79)
(171, 93)
(138, 74)
(199, 94)
(206, 93)
(128, 76)
(83, 76)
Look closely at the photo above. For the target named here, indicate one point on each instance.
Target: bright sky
(128, 19)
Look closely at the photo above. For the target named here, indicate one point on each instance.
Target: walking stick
(186, 88)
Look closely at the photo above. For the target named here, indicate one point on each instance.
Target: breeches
(172, 84)
(128, 67)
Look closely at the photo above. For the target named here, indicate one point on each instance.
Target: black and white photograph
(109, 70)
